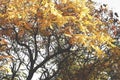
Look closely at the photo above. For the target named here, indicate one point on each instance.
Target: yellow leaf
(97, 49)
(51, 27)
(63, 1)
(68, 35)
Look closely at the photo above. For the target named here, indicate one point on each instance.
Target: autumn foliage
(66, 15)
(77, 21)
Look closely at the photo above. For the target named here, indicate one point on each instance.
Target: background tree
(44, 34)
(85, 65)
(4, 58)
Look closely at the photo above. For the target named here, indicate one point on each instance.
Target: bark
(30, 75)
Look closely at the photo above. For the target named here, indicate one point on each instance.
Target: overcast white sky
(113, 4)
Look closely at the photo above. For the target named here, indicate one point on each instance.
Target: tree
(4, 58)
(43, 34)
(85, 65)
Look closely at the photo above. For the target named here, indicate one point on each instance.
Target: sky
(112, 4)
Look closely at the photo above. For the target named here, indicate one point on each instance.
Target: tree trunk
(13, 76)
(30, 75)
